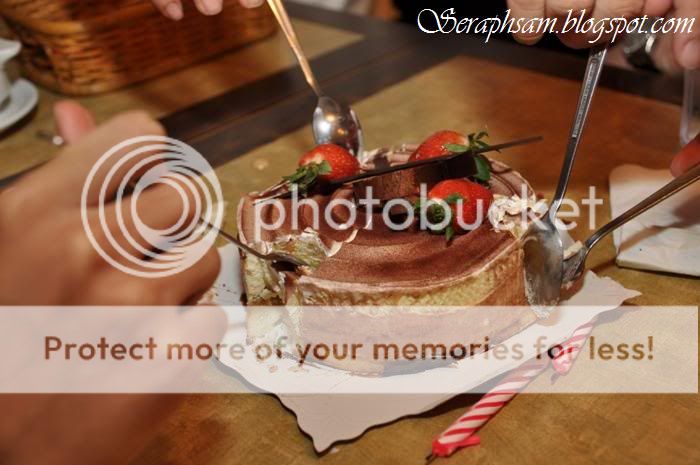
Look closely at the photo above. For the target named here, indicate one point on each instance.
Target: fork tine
(287, 259)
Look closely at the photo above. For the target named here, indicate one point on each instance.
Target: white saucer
(23, 98)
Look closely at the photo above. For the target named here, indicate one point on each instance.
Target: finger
(62, 179)
(663, 57)
(687, 158)
(209, 7)
(606, 10)
(163, 207)
(88, 160)
(116, 287)
(170, 8)
(252, 3)
(527, 9)
(142, 223)
(73, 121)
(686, 45)
(193, 282)
(618, 9)
(657, 8)
(190, 284)
(561, 9)
(97, 162)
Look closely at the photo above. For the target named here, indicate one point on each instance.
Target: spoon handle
(280, 13)
(596, 60)
(662, 194)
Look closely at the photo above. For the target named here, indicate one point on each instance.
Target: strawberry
(325, 163)
(434, 146)
(463, 197)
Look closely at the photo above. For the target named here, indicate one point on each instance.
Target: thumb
(686, 45)
(73, 121)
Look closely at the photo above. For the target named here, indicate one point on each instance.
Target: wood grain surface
(402, 95)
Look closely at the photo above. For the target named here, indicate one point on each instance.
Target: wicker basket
(83, 47)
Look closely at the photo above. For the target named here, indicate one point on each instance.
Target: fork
(575, 265)
(274, 257)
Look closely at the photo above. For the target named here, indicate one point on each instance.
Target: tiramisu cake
(428, 277)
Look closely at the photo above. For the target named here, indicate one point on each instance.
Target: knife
(446, 158)
(450, 164)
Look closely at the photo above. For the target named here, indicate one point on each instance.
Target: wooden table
(248, 113)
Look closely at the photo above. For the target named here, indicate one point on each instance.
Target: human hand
(684, 48)
(47, 260)
(104, 429)
(173, 8)
(47, 256)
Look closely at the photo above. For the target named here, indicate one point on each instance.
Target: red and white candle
(462, 432)
(569, 351)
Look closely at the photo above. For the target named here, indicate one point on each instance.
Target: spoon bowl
(335, 123)
(544, 265)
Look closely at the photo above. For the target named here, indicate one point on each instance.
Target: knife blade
(416, 164)
(447, 161)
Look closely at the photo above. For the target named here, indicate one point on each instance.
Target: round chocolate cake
(427, 280)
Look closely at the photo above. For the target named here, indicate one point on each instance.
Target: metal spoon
(575, 265)
(333, 122)
(544, 250)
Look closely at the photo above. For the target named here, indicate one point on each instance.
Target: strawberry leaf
(453, 199)
(457, 148)
(306, 176)
(483, 169)
(476, 142)
(417, 206)
(324, 168)
(449, 233)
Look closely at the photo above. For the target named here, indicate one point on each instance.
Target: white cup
(8, 50)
